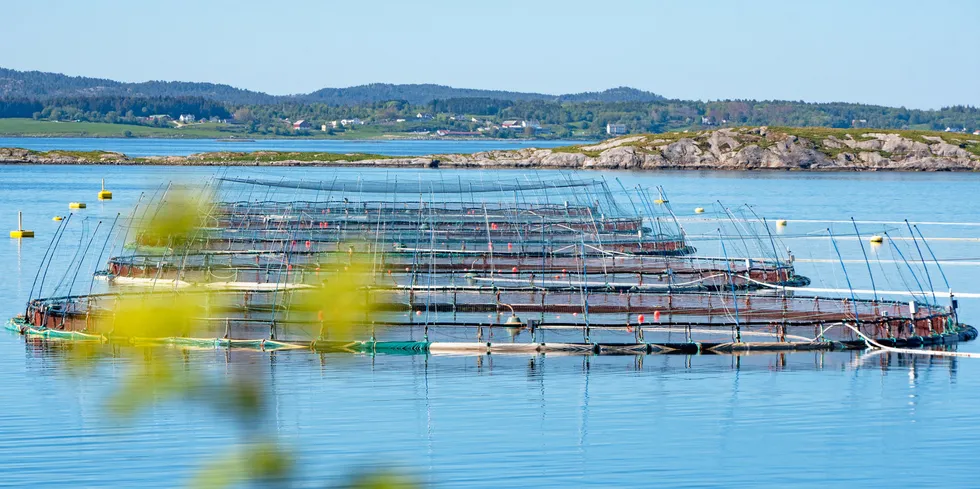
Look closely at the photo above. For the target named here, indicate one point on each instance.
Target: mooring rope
(935, 353)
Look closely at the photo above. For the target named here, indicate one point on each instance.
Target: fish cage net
(562, 261)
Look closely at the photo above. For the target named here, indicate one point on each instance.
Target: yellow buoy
(698, 210)
(659, 201)
(57, 218)
(76, 205)
(781, 222)
(20, 232)
(104, 194)
(877, 239)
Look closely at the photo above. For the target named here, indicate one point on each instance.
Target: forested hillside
(40, 85)
(419, 108)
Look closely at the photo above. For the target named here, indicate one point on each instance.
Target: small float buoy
(76, 205)
(877, 239)
(640, 318)
(20, 232)
(57, 218)
(781, 222)
(699, 210)
(104, 194)
(659, 201)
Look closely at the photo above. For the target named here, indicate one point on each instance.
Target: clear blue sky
(911, 53)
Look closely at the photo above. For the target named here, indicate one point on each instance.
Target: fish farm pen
(527, 265)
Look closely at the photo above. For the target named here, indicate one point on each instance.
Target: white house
(188, 118)
(615, 129)
(422, 116)
(351, 122)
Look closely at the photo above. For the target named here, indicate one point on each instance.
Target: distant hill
(425, 93)
(413, 94)
(42, 85)
(619, 94)
(429, 107)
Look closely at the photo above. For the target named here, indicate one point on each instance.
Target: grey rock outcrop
(760, 148)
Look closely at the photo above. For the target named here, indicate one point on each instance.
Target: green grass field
(31, 127)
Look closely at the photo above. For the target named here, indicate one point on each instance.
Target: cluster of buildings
(511, 125)
(342, 123)
(521, 125)
(963, 130)
(182, 119)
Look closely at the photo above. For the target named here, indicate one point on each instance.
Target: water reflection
(453, 418)
(45, 355)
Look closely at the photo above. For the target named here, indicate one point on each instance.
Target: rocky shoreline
(758, 148)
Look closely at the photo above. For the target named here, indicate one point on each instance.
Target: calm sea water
(799, 419)
(180, 147)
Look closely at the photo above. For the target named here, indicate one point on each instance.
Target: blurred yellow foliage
(175, 220)
(335, 308)
(156, 314)
(262, 461)
(342, 303)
